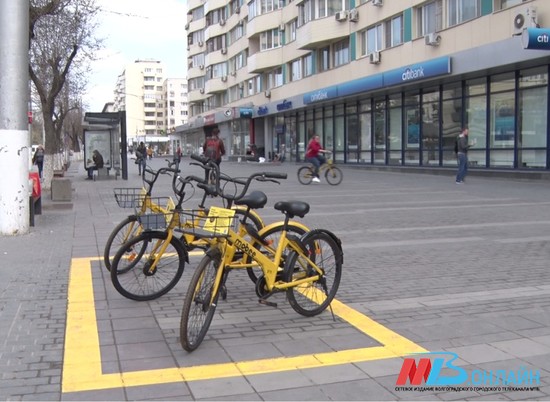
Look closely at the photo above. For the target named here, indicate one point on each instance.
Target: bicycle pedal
(267, 303)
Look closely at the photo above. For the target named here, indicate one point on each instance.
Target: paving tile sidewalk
(468, 280)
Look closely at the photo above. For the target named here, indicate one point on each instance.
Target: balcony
(217, 84)
(263, 23)
(195, 96)
(266, 60)
(321, 32)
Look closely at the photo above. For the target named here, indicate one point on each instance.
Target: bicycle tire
(310, 299)
(305, 175)
(195, 315)
(139, 283)
(334, 175)
(122, 233)
(272, 236)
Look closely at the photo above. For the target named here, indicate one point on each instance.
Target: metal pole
(14, 130)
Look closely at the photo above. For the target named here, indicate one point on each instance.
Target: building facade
(140, 92)
(387, 82)
(176, 112)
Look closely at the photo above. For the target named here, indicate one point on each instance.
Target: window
(463, 10)
(296, 70)
(307, 63)
(274, 78)
(502, 4)
(270, 39)
(323, 59)
(341, 53)
(429, 18)
(372, 40)
(394, 31)
(292, 26)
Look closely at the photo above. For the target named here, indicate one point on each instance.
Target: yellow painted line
(82, 362)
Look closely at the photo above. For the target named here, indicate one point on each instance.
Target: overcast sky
(137, 29)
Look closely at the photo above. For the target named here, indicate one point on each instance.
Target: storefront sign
(427, 69)
(320, 95)
(263, 110)
(360, 85)
(246, 112)
(536, 38)
(285, 105)
(209, 119)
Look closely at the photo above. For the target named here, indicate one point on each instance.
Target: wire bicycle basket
(129, 197)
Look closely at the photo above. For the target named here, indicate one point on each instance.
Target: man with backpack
(213, 147)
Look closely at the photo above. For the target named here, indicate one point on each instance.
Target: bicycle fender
(329, 233)
(280, 223)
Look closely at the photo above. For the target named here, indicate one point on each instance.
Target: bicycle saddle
(293, 208)
(208, 188)
(253, 200)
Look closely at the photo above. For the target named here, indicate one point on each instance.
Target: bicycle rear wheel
(312, 298)
(271, 238)
(121, 234)
(334, 175)
(305, 175)
(143, 282)
(198, 311)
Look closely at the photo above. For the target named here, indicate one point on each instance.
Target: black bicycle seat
(254, 200)
(293, 208)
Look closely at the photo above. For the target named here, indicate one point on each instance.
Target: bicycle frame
(270, 266)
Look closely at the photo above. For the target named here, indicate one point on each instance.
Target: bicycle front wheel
(334, 175)
(305, 175)
(199, 305)
(120, 235)
(145, 280)
(312, 298)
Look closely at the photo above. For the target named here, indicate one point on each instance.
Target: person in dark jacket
(98, 164)
(38, 159)
(461, 147)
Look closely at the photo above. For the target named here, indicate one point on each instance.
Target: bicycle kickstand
(324, 283)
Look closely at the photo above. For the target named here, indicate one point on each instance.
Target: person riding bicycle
(314, 155)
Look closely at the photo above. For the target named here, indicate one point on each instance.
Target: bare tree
(62, 43)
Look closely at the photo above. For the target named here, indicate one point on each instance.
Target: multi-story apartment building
(140, 92)
(387, 82)
(175, 90)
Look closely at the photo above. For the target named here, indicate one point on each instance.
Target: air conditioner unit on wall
(201, 43)
(354, 15)
(224, 78)
(377, 3)
(341, 15)
(201, 66)
(374, 58)
(526, 19)
(201, 90)
(222, 22)
(267, 94)
(432, 39)
(224, 50)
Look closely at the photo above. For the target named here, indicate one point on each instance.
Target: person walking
(213, 147)
(38, 159)
(461, 148)
(141, 158)
(314, 155)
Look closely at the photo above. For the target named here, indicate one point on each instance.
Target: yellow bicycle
(310, 276)
(332, 173)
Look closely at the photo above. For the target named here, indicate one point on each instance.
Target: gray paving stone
(481, 353)
(223, 387)
(332, 374)
(522, 347)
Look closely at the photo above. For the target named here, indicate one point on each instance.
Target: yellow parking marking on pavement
(82, 362)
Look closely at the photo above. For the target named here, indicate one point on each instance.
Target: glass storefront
(507, 115)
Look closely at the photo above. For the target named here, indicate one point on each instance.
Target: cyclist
(314, 155)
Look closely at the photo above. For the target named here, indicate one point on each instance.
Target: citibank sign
(415, 74)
